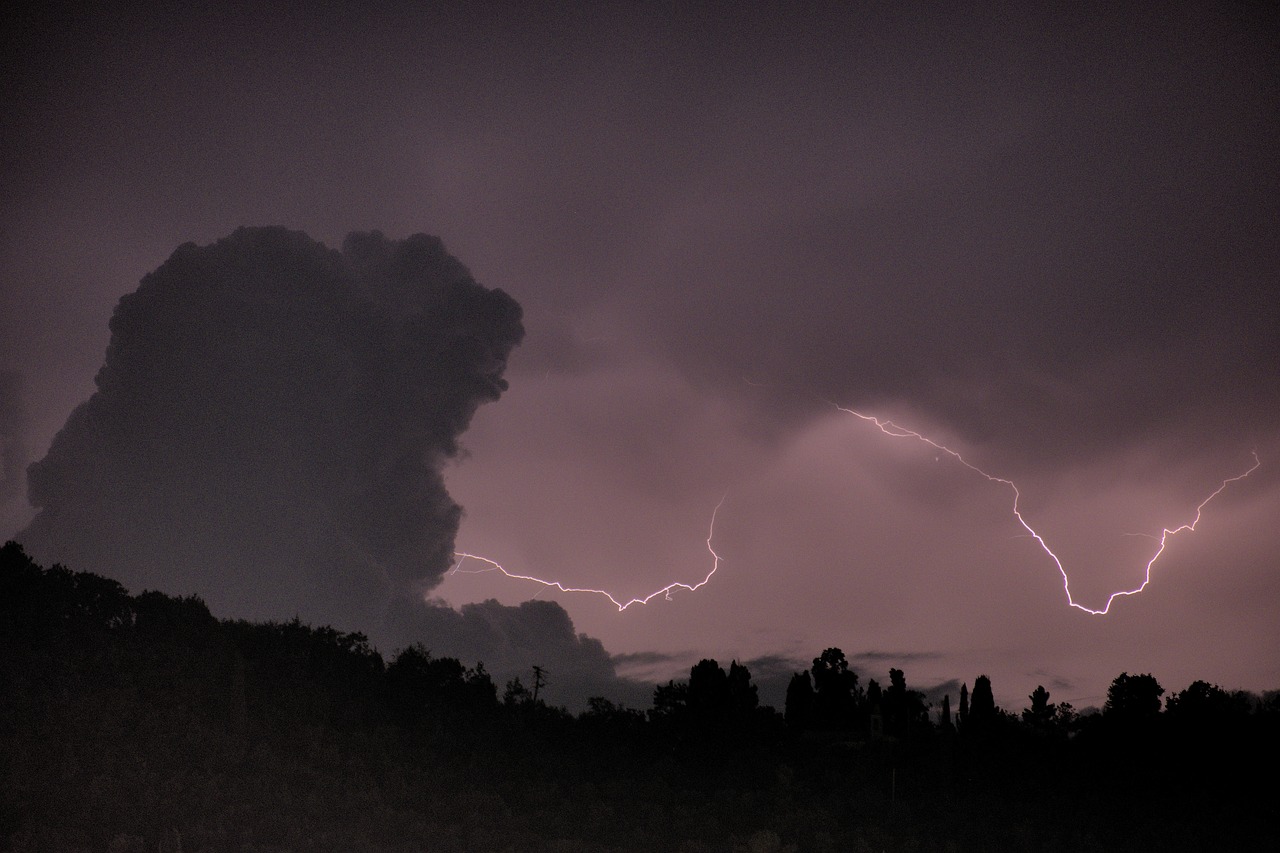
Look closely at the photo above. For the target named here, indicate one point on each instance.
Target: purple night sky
(1046, 240)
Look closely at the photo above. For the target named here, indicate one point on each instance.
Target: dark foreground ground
(143, 723)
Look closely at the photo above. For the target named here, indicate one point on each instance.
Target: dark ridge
(144, 723)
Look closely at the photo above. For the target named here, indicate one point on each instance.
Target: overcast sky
(1045, 240)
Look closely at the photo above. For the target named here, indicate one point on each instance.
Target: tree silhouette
(302, 738)
(718, 706)
(539, 681)
(983, 714)
(670, 711)
(837, 697)
(903, 709)
(743, 699)
(1133, 699)
(874, 709)
(1204, 704)
(798, 710)
(708, 696)
(438, 691)
(1042, 713)
(516, 695)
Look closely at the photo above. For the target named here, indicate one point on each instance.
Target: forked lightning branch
(665, 592)
(892, 430)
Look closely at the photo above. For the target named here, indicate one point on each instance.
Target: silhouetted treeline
(143, 723)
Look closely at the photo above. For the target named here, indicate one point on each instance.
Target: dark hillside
(143, 723)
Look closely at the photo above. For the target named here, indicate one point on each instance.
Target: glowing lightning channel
(893, 430)
(665, 592)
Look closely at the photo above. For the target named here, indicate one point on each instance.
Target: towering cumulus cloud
(270, 424)
(11, 435)
(269, 430)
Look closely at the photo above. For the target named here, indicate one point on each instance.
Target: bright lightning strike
(665, 592)
(893, 430)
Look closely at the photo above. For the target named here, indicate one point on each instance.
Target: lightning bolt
(893, 430)
(665, 592)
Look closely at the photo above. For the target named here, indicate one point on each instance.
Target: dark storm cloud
(878, 658)
(1054, 682)
(1050, 231)
(269, 430)
(12, 435)
(270, 423)
(649, 658)
(934, 693)
(772, 674)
